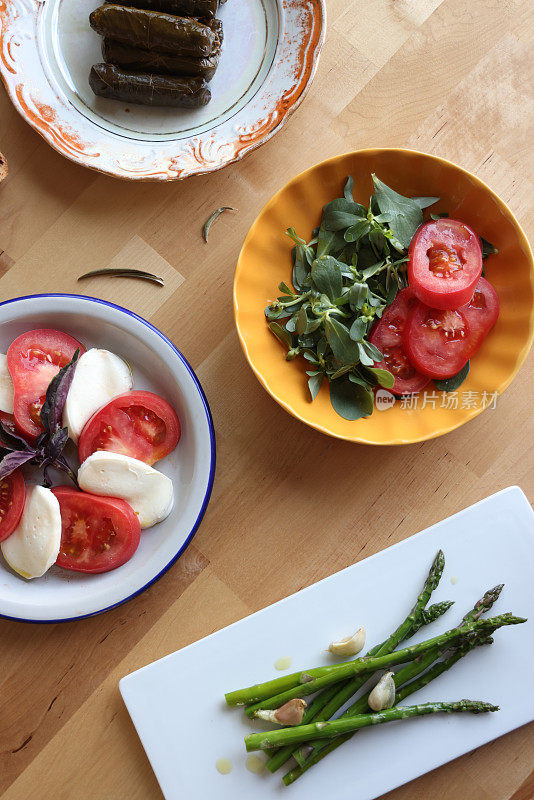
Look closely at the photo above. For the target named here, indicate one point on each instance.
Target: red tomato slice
(387, 336)
(138, 424)
(98, 534)
(440, 342)
(481, 313)
(33, 359)
(12, 496)
(445, 262)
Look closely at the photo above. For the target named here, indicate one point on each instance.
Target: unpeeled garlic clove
(290, 713)
(349, 646)
(383, 695)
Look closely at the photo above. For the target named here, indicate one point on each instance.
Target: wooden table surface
(449, 77)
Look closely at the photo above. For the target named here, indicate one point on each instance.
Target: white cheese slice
(99, 377)
(33, 546)
(149, 492)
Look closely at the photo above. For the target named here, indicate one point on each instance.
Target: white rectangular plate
(177, 703)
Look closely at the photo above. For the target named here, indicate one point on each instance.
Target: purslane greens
(343, 279)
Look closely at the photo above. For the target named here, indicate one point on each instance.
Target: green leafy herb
(314, 383)
(281, 334)
(383, 376)
(451, 384)
(351, 400)
(406, 214)
(424, 202)
(488, 248)
(327, 277)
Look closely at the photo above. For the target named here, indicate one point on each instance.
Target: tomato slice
(12, 496)
(444, 263)
(439, 342)
(481, 313)
(33, 359)
(138, 424)
(387, 335)
(98, 534)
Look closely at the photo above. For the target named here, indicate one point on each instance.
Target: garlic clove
(383, 695)
(291, 713)
(349, 646)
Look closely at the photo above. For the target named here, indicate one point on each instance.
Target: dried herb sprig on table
(212, 218)
(47, 450)
(343, 280)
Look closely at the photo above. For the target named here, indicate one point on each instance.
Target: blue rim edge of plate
(212, 461)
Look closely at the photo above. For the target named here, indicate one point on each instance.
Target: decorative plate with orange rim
(270, 54)
(265, 261)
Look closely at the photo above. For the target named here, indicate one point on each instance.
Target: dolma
(107, 80)
(205, 9)
(136, 60)
(152, 30)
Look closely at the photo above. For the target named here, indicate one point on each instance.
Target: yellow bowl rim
(470, 413)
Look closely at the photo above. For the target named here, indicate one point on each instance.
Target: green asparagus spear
(306, 683)
(484, 604)
(433, 673)
(350, 687)
(339, 699)
(329, 730)
(430, 614)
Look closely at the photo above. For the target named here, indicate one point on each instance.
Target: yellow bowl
(265, 261)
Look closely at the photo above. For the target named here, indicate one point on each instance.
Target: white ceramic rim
(302, 29)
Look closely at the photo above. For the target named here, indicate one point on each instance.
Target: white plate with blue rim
(157, 366)
(177, 703)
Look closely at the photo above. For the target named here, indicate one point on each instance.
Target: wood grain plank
(96, 755)
(73, 658)
(446, 77)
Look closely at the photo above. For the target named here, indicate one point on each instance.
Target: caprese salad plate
(268, 59)
(385, 296)
(107, 456)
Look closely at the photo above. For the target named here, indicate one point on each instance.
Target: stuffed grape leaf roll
(153, 30)
(137, 60)
(107, 80)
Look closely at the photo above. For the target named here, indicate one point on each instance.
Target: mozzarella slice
(34, 544)
(99, 377)
(6, 387)
(149, 492)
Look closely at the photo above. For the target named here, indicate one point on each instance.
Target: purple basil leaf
(54, 447)
(62, 464)
(56, 395)
(12, 440)
(41, 439)
(14, 460)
